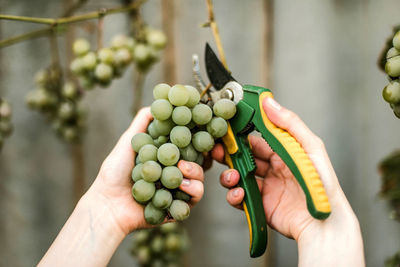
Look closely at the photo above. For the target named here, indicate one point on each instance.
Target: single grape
(87, 82)
(169, 227)
(161, 109)
(143, 191)
(392, 52)
(148, 152)
(224, 108)
(179, 210)
(173, 242)
(391, 93)
(137, 172)
(201, 114)
(171, 177)
(77, 66)
(194, 96)
(203, 141)
(141, 236)
(89, 61)
(106, 55)
(152, 131)
(217, 127)
(154, 215)
(80, 47)
(157, 245)
(162, 199)
(70, 91)
(103, 72)
(162, 140)
(181, 115)
(122, 57)
(168, 154)
(178, 95)
(156, 39)
(119, 41)
(6, 128)
(189, 153)
(143, 255)
(161, 90)
(5, 110)
(180, 136)
(66, 110)
(396, 40)
(163, 127)
(139, 140)
(141, 53)
(178, 194)
(151, 171)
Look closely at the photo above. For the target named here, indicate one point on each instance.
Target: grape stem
(169, 54)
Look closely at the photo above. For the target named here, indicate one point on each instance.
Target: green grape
(392, 52)
(89, 61)
(224, 108)
(148, 152)
(106, 55)
(161, 109)
(162, 199)
(188, 153)
(396, 109)
(141, 53)
(200, 159)
(162, 140)
(103, 72)
(87, 82)
(182, 196)
(161, 90)
(169, 227)
(153, 215)
(163, 127)
(151, 171)
(194, 96)
(396, 40)
(66, 110)
(143, 255)
(119, 41)
(70, 91)
(41, 78)
(171, 177)
(392, 66)
(180, 136)
(77, 66)
(203, 141)
(137, 161)
(178, 95)
(139, 140)
(143, 191)
(157, 245)
(168, 154)
(156, 39)
(5, 110)
(151, 129)
(80, 47)
(391, 93)
(217, 127)
(201, 114)
(137, 172)
(141, 236)
(179, 210)
(6, 128)
(122, 57)
(173, 242)
(181, 115)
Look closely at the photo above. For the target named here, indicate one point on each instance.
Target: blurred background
(319, 59)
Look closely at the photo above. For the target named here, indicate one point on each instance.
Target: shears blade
(216, 72)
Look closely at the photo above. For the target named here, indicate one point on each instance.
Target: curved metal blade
(216, 72)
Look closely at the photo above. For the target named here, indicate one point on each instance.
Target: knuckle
(319, 142)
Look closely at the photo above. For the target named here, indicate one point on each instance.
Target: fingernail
(228, 177)
(235, 192)
(185, 182)
(273, 103)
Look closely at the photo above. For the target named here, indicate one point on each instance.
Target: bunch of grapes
(391, 93)
(5, 120)
(99, 68)
(163, 246)
(59, 103)
(183, 128)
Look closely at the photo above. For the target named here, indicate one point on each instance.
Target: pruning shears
(251, 116)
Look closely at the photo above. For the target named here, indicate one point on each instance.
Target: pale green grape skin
(182, 196)
(391, 93)
(396, 40)
(178, 95)
(160, 140)
(141, 236)
(200, 159)
(89, 61)
(80, 47)
(157, 245)
(392, 66)
(194, 96)
(201, 114)
(148, 152)
(161, 109)
(180, 136)
(173, 242)
(154, 215)
(156, 39)
(122, 57)
(217, 127)
(163, 127)
(189, 153)
(169, 227)
(136, 172)
(139, 140)
(106, 55)
(143, 191)
(161, 90)
(392, 52)
(171, 177)
(162, 199)
(103, 72)
(203, 141)
(225, 109)
(168, 154)
(181, 115)
(151, 171)
(151, 129)
(179, 210)
(143, 255)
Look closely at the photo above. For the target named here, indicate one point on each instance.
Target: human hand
(283, 199)
(113, 185)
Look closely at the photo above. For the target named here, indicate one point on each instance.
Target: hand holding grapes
(320, 242)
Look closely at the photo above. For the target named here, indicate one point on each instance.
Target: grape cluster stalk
(162, 246)
(183, 128)
(6, 126)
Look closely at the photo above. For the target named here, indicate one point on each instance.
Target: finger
(262, 167)
(191, 170)
(229, 178)
(218, 153)
(194, 188)
(235, 197)
(260, 147)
